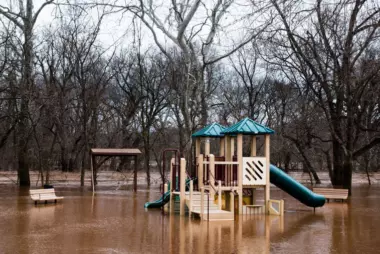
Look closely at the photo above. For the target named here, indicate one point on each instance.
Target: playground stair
(210, 209)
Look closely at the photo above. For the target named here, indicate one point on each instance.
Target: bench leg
(55, 201)
(35, 202)
(45, 201)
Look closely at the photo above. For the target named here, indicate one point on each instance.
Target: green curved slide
(294, 188)
(164, 198)
(159, 202)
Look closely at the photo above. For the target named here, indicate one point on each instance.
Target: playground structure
(221, 179)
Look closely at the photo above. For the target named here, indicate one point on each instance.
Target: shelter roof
(247, 127)
(212, 130)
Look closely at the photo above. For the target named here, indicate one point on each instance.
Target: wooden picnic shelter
(108, 153)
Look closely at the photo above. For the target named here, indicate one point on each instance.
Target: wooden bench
(43, 195)
(329, 193)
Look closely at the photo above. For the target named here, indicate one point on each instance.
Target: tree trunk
(23, 160)
(342, 167)
(147, 154)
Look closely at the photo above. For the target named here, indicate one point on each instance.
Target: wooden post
(200, 171)
(221, 147)
(92, 173)
(182, 187)
(172, 186)
(135, 175)
(212, 174)
(220, 195)
(253, 146)
(253, 154)
(197, 147)
(232, 147)
(202, 202)
(207, 146)
(166, 189)
(232, 202)
(191, 197)
(267, 185)
(240, 170)
(227, 150)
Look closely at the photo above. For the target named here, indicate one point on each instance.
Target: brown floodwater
(116, 222)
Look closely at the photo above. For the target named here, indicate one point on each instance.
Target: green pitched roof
(212, 130)
(248, 127)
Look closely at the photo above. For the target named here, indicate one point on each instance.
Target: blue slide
(159, 202)
(164, 198)
(294, 188)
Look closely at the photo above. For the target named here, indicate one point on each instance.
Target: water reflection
(116, 222)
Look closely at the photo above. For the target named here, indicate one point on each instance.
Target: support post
(166, 189)
(253, 147)
(202, 202)
(200, 171)
(267, 184)
(253, 154)
(232, 202)
(172, 186)
(212, 174)
(220, 195)
(92, 173)
(191, 198)
(197, 147)
(240, 170)
(182, 187)
(207, 146)
(232, 147)
(227, 145)
(221, 146)
(135, 175)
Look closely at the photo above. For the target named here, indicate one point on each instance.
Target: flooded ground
(115, 221)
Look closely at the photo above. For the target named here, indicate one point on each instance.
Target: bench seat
(333, 194)
(43, 195)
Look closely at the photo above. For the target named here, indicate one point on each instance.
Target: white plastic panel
(254, 171)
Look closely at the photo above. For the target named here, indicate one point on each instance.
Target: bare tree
(326, 50)
(25, 19)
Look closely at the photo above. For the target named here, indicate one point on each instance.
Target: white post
(182, 187)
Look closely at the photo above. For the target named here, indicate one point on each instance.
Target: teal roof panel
(247, 127)
(212, 130)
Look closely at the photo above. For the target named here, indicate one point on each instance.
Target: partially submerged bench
(329, 193)
(43, 195)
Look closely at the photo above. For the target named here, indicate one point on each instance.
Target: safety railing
(221, 170)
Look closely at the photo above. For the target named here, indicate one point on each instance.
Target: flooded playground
(115, 221)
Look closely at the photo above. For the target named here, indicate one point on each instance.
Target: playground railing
(221, 170)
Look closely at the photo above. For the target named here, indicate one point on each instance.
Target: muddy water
(116, 222)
